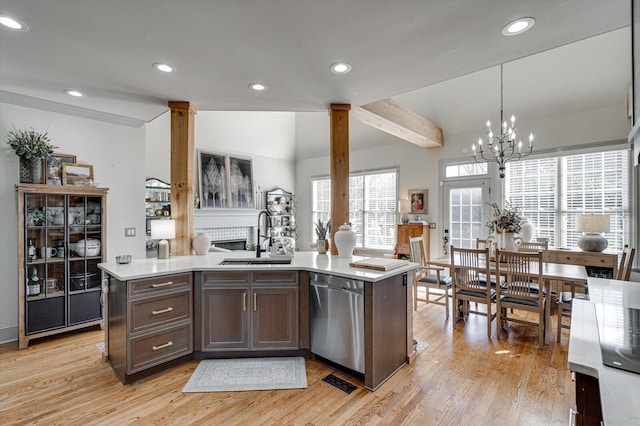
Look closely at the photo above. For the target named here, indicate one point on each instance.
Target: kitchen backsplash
(222, 234)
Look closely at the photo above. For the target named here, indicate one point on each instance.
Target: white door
(466, 211)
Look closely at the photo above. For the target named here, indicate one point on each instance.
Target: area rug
(100, 346)
(420, 346)
(225, 375)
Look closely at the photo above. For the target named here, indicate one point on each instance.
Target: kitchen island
(602, 392)
(162, 312)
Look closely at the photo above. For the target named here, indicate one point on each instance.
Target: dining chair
(428, 277)
(533, 247)
(568, 293)
(626, 260)
(485, 244)
(467, 267)
(521, 289)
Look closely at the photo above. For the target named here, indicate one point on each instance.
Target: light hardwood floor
(461, 378)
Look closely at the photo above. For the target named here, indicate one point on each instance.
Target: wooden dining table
(551, 272)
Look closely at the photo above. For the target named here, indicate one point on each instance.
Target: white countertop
(305, 260)
(619, 389)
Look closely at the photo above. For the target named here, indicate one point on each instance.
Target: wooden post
(339, 167)
(182, 175)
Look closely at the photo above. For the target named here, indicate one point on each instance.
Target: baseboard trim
(8, 334)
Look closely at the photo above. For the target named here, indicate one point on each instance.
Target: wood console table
(598, 262)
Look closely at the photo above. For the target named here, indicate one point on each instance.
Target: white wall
(117, 156)
(268, 138)
(419, 168)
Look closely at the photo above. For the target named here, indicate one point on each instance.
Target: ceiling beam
(391, 117)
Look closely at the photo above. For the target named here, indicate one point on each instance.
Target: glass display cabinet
(62, 239)
(157, 206)
(281, 205)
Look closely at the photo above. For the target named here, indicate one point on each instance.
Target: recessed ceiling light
(518, 26)
(75, 93)
(258, 87)
(340, 68)
(13, 23)
(164, 67)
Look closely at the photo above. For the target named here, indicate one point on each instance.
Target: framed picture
(419, 200)
(213, 181)
(241, 182)
(77, 174)
(53, 167)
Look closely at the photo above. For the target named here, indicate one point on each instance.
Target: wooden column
(339, 114)
(182, 175)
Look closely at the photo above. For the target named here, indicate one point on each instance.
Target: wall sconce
(163, 230)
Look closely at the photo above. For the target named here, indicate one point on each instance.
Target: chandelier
(501, 148)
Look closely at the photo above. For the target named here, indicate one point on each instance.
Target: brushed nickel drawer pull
(162, 311)
(244, 301)
(166, 345)
(162, 284)
(255, 302)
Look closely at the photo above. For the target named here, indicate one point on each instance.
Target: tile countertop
(619, 389)
(308, 261)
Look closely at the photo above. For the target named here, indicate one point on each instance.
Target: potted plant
(322, 244)
(505, 222)
(32, 147)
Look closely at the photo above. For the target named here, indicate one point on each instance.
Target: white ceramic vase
(345, 241)
(526, 231)
(201, 244)
(509, 241)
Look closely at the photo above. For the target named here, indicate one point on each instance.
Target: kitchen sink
(256, 261)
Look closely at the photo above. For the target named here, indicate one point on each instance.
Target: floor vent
(337, 382)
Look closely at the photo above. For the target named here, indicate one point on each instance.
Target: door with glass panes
(465, 211)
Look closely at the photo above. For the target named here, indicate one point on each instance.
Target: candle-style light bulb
(504, 124)
(473, 147)
(488, 124)
(513, 119)
(520, 147)
(490, 134)
(530, 139)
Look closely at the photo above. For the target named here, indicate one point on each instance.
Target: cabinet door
(225, 318)
(274, 318)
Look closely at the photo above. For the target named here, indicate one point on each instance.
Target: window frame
(366, 172)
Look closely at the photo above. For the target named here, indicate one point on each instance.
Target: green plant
(30, 143)
(507, 219)
(35, 215)
(321, 229)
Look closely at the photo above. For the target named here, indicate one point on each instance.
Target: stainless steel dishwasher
(337, 320)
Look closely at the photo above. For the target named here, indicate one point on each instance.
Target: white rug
(420, 346)
(224, 375)
(100, 346)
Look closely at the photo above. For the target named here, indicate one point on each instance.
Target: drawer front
(155, 311)
(227, 277)
(156, 348)
(584, 259)
(277, 277)
(147, 286)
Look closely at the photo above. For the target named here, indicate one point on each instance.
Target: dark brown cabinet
(244, 311)
(150, 323)
(274, 323)
(225, 320)
(62, 238)
(588, 407)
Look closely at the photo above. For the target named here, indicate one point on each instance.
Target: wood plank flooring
(461, 378)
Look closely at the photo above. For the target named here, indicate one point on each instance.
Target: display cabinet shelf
(281, 206)
(59, 284)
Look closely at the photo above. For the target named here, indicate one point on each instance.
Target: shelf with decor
(281, 206)
(61, 241)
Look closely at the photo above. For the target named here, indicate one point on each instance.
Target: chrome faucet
(267, 219)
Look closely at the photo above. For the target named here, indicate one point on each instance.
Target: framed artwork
(241, 182)
(53, 167)
(213, 181)
(419, 200)
(77, 174)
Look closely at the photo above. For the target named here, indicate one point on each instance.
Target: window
(467, 169)
(553, 191)
(372, 207)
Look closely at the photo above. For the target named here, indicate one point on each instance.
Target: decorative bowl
(123, 258)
